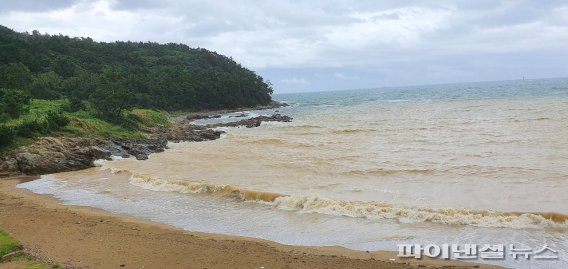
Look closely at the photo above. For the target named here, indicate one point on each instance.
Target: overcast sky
(331, 44)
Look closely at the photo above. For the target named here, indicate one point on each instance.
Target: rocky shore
(60, 154)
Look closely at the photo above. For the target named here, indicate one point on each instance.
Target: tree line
(109, 78)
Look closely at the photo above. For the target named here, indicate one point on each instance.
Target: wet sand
(83, 237)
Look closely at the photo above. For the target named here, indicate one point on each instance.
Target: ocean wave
(266, 141)
(325, 105)
(396, 100)
(375, 210)
(280, 142)
(101, 162)
(485, 170)
(361, 209)
(305, 126)
(352, 131)
(532, 119)
(385, 172)
(180, 186)
(113, 170)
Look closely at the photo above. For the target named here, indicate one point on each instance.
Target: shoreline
(96, 238)
(202, 114)
(55, 154)
(86, 237)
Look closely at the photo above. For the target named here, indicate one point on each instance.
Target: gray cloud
(32, 5)
(326, 42)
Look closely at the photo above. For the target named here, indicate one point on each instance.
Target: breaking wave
(376, 210)
(305, 126)
(385, 172)
(351, 131)
(361, 209)
(267, 141)
(180, 186)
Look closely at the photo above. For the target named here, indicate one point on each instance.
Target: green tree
(111, 103)
(14, 102)
(15, 76)
(113, 95)
(48, 85)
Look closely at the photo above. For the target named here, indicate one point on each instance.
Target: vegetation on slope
(55, 84)
(51, 117)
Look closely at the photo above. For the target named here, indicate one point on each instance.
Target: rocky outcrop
(138, 148)
(183, 131)
(9, 167)
(217, 113)
(252, 122)
(52, 155)
(58, 154)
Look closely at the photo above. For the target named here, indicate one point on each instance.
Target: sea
(475, 164)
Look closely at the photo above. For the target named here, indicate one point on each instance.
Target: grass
(30, 125)
(17, 143)
(82, 123)
(150, 118)
(38, 106)
(8, 244)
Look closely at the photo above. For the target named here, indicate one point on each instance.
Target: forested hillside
(149, 75)
(47, 81)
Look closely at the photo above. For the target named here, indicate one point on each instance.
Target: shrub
(14, 102)
(31, 126)
(56, 119)
(7, 134)
(4, 117)
(74, 105)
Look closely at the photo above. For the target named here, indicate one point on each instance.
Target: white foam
(99, 162)
(364, 209)
(375, 210)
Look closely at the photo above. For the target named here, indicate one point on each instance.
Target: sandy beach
(82, 237)
(283, 134)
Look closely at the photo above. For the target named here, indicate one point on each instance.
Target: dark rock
(185, 131)
(139, 148)
(9, 167)
(241, 115)
(141, 157)
(98, 152)
(272, 105)
(252, 122)
(52, 155)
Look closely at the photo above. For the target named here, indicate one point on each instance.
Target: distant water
(481, 163)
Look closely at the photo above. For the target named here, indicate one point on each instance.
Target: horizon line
(417, 85)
